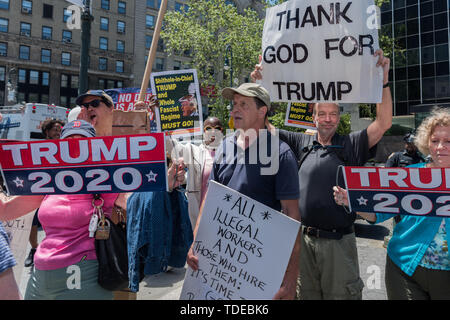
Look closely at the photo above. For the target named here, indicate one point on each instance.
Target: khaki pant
(424, 284)
(329, 269)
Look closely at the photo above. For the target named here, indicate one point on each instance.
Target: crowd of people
(324, 260)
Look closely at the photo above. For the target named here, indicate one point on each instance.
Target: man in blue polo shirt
(258, 165)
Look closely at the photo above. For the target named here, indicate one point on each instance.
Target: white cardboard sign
(243, 248)
(322, 51)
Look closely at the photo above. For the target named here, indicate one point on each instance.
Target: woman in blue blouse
(418, 260)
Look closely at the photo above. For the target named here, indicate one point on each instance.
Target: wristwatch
(386, 85)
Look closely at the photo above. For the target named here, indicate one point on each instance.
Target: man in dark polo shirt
(329, 267)
(259, 165)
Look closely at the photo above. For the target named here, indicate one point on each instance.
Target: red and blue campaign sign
(405, 191)
(133, 163)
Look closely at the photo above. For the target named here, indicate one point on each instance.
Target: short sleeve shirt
(260, 172)
(318, 171)
(6, 258)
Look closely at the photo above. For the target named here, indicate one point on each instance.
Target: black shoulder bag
(111, 249)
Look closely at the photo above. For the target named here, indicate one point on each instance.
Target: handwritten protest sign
(299, 115)
(18, 231)
(405, 191)
(134, 163)
(243, 248)
(180, 106)
(317, 51)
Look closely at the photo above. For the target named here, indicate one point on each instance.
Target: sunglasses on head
(207, 128)
(94, 103)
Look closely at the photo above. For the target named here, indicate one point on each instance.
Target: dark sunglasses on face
(216, 128)
(93, 103)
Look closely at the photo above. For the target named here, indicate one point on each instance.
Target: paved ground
(372, 258)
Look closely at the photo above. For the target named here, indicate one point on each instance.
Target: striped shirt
(6, 258)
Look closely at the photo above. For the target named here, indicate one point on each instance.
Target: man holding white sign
(242, 165)
(328, 262)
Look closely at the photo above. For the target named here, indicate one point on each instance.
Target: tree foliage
(206, 29)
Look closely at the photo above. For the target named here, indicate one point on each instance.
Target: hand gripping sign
(133, 163)
(405, 191)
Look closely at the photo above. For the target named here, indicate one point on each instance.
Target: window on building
(22, 76)
(102, 64)
(441, 52)
(120, 46)
(66, 58)
(103, 43)
(46, 55)
(442, 87)
(27, 6)
(105, 4)
(67, 36)
(149, 21)
(3, 49)
(46, 33)
(427, 54)
(69, 89)
(104, 23)
(4, 25)
(159, 64)
(4, 4)
(122, 7)
(160, 45)
(119, 66)
(154, 4)
(119, 84)
(120, 27)
(34, 77)
(25, 29)
(181, 7)
(64, 80)
(148, 41)
(2, 73)
(45, 78)
(48, 11)
(24, 52)
(67, 14)
(176, 65)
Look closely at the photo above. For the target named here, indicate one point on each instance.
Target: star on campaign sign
(151, 176)
(362, 201)
(18, 182)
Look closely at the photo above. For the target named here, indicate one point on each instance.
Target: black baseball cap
(80, 127)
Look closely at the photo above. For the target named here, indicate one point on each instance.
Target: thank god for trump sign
(321, 51)
(405, 191)
(243, 248)
(132, 163)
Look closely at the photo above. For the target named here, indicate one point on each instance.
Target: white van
(23, 122)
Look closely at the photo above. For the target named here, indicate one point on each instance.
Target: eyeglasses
(94, 103)
(208, 128)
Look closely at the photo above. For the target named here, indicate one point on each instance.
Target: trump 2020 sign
(133, 163)
(405, 191)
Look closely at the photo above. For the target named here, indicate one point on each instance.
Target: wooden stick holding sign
(152, 51)
(139, 121)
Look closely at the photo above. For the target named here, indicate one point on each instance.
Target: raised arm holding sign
(420, 193)
(326, 53)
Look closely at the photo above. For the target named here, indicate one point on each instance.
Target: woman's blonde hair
(438, 117)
